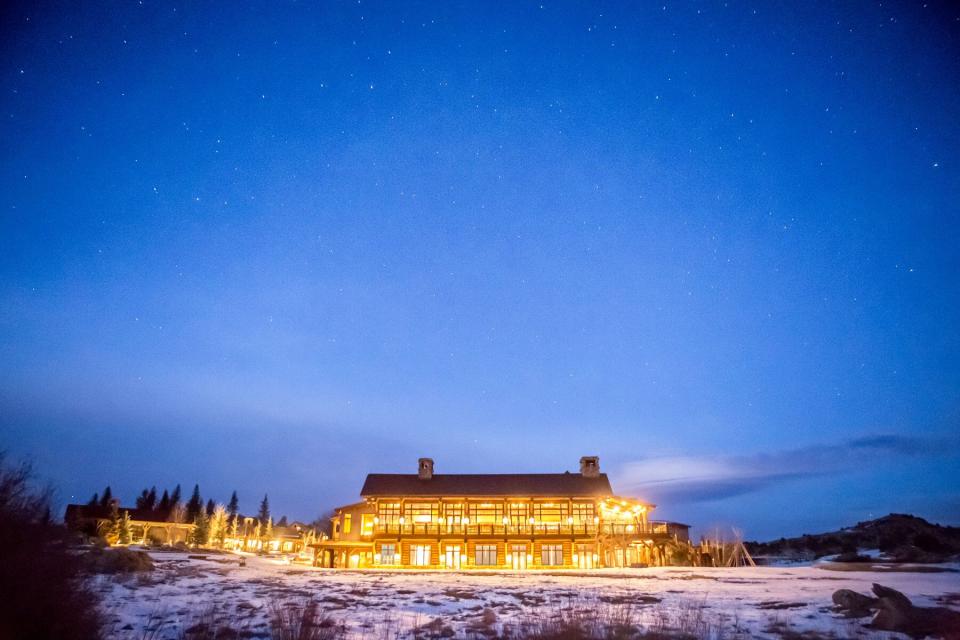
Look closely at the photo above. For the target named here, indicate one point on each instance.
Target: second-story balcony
(527, 529)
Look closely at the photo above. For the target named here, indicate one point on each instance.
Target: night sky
(272, 247)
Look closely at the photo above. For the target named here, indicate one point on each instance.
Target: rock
(853, 604)
(895, 611)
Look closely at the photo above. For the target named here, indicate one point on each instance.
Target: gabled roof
(567, 485)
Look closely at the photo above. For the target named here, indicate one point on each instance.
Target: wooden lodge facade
(505, 521)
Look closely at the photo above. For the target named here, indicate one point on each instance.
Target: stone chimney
(425, 472)
(590, 466)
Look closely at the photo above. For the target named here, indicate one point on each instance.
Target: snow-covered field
(768, 602)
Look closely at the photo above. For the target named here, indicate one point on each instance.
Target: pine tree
(210, 507)
(195, 505)
(175, 496)
(107, 497)
(234, 505)
(164, 505)
(268, 531)
(124, 530)
(113, 526)
(282, 522)
(264, 512)
(142, 499)
(94, 501)
(152, 499)
(200, 534)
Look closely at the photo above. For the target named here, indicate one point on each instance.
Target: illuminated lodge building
(504, 521)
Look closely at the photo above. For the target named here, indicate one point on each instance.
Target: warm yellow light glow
(376, 519)
(466, 520)
(377, 557)
(569, 519)
(596, 519)
(509, 557)
(532, 520)
(575, 558)
(595, 557)
(402, 520)
(441, 520)
(629, 528)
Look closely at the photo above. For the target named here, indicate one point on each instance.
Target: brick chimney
(590, 466)
(425, 471)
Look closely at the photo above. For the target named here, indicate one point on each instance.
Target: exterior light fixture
(402, 520)
(533, 520)
(506, 520)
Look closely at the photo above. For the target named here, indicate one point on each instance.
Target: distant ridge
(900, 537)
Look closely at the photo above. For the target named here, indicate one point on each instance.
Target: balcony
(542, 529)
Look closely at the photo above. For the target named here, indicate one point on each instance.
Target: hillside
(899, 537)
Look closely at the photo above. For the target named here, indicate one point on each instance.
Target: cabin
(147, 526)
(437, 521)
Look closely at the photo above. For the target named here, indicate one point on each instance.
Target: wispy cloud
(704, 478)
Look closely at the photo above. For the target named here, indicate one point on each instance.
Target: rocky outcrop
(853, 604)
(895, 612)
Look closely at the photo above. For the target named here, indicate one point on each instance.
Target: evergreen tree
(142, 499)
(124, 530)
(164, 502)
(268, 530)
(264, 512)
(234, 505)
(112, 526)
(107, 497)
(195, 505)
(152, 499)
(210, 507)
(175, 496)
(94, 501)
(282, 522)
(200, 534)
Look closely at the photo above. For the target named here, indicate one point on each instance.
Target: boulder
(853, 604)
(895, 611)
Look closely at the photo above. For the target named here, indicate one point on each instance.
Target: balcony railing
(540, 529)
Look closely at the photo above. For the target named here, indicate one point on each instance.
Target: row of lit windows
(391, 513)
(485, 555)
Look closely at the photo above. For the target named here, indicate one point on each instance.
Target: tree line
(212, 522)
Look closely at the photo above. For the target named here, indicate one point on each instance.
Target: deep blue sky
(274, 246)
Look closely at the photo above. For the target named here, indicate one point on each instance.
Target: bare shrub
(303, 620)
(43, 591)
(582, 619)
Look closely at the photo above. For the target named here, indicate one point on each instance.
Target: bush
(108, 560)
(43, 593)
